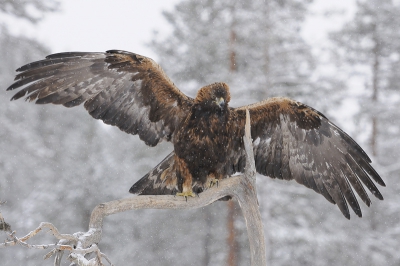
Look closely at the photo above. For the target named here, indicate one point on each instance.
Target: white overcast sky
(90, 25)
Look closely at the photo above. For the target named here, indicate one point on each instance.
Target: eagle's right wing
(123, 89)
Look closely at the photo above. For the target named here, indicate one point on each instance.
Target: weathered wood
(240, 187)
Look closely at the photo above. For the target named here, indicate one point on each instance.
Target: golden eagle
(291, 140)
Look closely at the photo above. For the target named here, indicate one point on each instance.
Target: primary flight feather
(130, 91)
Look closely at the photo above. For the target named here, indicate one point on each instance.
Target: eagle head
(215, 95)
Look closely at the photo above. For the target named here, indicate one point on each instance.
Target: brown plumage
(132, 92)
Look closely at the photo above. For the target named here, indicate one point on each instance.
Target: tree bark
(232, 242)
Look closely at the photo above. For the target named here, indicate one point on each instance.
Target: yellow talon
(213, 182)
(186, 194)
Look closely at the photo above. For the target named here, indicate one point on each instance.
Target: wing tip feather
(140, 185)
(346, 214)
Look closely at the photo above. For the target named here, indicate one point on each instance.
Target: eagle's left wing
(123, 89)
(294, 141)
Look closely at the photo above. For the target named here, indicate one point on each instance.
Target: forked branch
(241, 187)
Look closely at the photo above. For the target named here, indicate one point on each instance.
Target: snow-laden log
(240, 187)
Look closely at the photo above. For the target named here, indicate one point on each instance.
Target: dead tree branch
(241, 187)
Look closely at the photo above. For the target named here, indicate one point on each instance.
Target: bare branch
(241, 187)
(22, 241)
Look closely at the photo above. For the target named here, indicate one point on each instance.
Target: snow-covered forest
(57, 164)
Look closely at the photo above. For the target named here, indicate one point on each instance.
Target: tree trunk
(374, 119)
(375, 84)
(232, 53)
(233, 247)
(267, 57)
(232, 236)
(207, 238)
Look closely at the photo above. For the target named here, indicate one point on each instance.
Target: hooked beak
(220, 102)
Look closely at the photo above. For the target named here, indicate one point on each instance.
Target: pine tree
(368, 46)
(270, 57)
(257, 49)
(31, 10)
(372, 39)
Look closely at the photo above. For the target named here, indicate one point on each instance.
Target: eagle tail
(161, 180)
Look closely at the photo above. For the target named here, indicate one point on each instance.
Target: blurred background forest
(56, 164)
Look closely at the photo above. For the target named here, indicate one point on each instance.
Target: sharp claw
(186, 194)
(213, 182)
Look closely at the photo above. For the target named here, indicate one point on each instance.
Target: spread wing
(123, 89)
(294, 141)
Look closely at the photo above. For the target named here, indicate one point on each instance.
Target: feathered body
(205, 139)
(204, 143)
(130, 91)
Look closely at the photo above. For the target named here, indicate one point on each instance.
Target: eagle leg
(186, 194)
(184, 179)
(213, 179)
(213, 182)
(186, 189)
